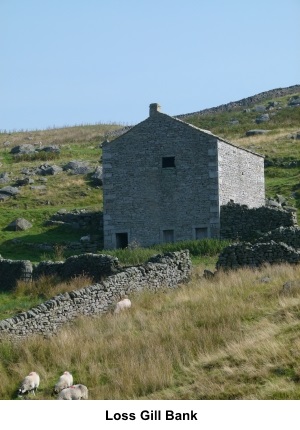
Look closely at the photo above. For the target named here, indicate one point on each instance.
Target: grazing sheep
(29, 384)
(122, 305)
(65, 381)
(75, 392)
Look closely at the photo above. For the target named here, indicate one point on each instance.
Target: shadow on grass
(48, 245)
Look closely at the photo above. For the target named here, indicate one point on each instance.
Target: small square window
(168, 162)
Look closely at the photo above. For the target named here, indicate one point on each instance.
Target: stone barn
(165, 180)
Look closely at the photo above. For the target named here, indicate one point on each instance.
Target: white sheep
(29, 384)
(65, 381)
(122, 305)
(75, 392)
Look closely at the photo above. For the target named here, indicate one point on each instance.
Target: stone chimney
(154, 108)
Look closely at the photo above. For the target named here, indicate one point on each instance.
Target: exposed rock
(24, 181)
(263, 118)
(19, 224)
(4, 178)
(4, 197)
(260, 108)
(281, 199)
(47, 169)
(273, 203)
(28, 172)
(26, 148)
(294, 101)
(98, 176)
(51, 148)
(10, 191)
(78, 167)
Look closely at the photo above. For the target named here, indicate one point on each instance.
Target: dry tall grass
(235, 336)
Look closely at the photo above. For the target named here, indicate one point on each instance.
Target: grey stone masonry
(244, 223)
(241, 176)
(10, 270)
(254, 255)
(164, 181)
(162, 271)
(288, 235)
(95, 266)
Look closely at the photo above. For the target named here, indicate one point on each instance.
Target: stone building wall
(162, 271)
(142, 198)
(241, 176)
(151, 203)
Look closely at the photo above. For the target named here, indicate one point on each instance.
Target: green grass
(229, 337)
(82, 143)
(220, 123)
(199, 249)
(27, 295)
(10, 306)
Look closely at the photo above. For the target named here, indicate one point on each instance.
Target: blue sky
(70, 62)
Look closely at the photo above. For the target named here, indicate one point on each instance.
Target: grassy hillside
(69, 191)
(231, 337)
(281, 150)
(235, 336)
(63, 190)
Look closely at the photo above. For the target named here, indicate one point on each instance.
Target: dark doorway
(168, 236)
(121, 240)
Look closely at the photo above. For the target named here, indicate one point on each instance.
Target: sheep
(64, 381)
(29, 384)
(75, 392)
(122, 305)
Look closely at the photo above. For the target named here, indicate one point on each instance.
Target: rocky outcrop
(248, 101)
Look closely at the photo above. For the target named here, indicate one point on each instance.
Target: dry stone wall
(162, 271)
(13, 270)
(96, 266)
(244, 223)
(288, 235)
(254, 255)
(281, 245)
(77, 219)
